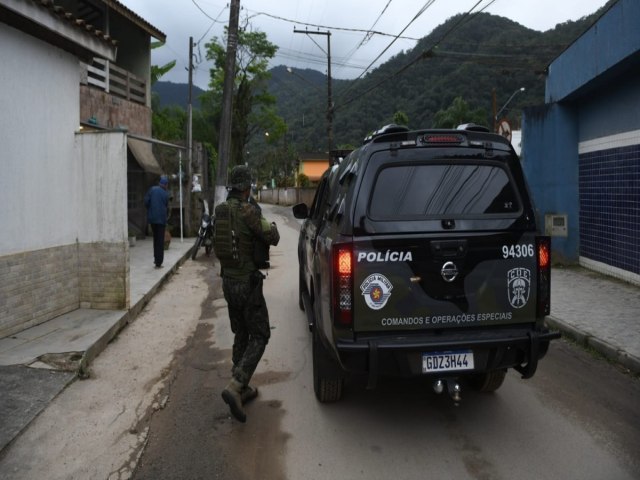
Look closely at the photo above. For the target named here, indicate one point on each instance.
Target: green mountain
(468, 57)
(463, 57)
(176, 94)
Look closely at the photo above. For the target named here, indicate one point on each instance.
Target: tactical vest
(231, 240)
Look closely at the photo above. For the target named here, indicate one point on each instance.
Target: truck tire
(327, 377)
(488, 382)
(301, 289)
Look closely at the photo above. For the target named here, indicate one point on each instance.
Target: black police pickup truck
(420, 257)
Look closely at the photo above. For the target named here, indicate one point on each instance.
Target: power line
(357, 30)
(420, 12)
(316, 59)
(199, 55)
(213, 20)
(428, 53)
(367, 35)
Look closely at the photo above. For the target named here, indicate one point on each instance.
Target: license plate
(447, 361)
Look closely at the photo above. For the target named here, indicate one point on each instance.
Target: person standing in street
(239, 226)
(157, 203)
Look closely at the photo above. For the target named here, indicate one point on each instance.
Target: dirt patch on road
(194, 436)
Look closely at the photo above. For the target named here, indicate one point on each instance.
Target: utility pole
(189, 135)
(224, 144)
(329, 99)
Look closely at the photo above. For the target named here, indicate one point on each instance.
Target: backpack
(225, 236)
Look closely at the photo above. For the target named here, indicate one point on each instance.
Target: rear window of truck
(437, 190)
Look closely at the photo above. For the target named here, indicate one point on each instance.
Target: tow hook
(453, 387)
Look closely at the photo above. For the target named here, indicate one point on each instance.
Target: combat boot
(248, 393)
(232, 397)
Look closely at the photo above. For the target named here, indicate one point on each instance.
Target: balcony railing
(115, 80)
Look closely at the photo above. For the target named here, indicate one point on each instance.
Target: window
(412, 192)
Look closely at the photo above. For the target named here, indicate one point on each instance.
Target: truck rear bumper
(401, 355)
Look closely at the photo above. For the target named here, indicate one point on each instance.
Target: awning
(141, 150)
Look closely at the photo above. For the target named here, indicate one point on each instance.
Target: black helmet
(240, 178)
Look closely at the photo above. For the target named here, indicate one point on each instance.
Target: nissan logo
(449, 272)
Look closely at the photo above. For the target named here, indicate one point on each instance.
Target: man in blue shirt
(157, 202)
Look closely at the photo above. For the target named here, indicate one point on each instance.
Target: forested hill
(465, 58)
(176, 94)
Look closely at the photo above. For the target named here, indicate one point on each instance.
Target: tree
(166, 123)
(253, 106)
(400, 118)
(156, 71)
(457, 113)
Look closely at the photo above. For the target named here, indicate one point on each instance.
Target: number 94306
(518, 251)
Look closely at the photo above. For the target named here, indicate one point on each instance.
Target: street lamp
(497, 115)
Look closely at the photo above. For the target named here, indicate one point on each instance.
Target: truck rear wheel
(488, 382)
(327, 376)
(301, 289)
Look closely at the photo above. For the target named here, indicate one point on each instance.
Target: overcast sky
(351, 51)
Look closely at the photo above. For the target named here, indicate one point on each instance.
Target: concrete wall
(103, 254)
(39, 105)
(114, 112)
(63, 194)
(286, 196)
(101, 186)
(550, 162)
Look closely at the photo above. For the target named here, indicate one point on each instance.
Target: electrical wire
(213, 20)
(368, 35)
(199, 58)
(343, 29)
(420, 12)
(428, 53)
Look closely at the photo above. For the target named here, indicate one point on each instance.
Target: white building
(63, 241)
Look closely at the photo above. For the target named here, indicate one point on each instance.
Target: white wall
(39, 110)
(57, 187)
(101, 186)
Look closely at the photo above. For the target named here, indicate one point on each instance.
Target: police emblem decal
(519, 286)
(376, 290)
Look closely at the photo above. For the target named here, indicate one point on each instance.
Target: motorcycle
(205, 232)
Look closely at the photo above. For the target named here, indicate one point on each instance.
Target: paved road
(159, 381)
(579, 417)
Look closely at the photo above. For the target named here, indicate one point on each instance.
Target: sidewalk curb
(128, 316)
(585, 339)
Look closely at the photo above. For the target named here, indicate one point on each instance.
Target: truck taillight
(543, 248)
(343, 286)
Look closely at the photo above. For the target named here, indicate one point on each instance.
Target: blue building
(581, 149)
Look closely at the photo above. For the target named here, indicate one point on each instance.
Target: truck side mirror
(300, 211)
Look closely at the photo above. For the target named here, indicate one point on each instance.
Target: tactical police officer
(240, 222)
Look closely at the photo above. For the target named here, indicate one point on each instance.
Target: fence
(115, 80)
(286, 196)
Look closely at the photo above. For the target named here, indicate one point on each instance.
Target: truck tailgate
(434, 283)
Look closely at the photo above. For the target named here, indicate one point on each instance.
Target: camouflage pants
(249, 323)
